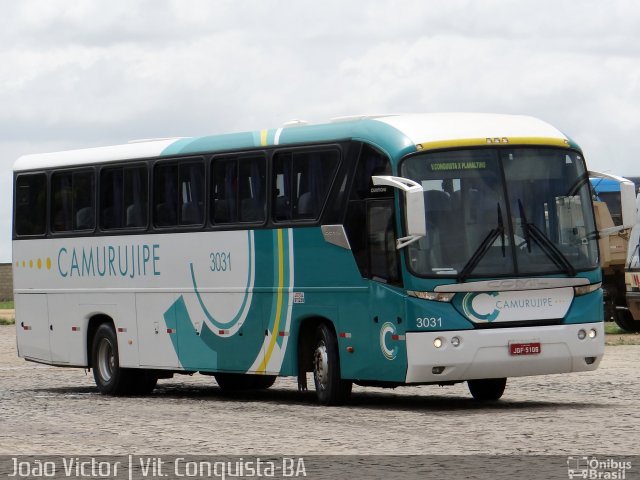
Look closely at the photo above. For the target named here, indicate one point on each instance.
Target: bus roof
(396, 135)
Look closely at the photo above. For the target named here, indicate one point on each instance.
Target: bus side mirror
(628, 208)
(414, 206)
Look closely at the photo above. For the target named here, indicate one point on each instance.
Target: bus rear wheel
(109, 377)
(487, 389)
(330, 388)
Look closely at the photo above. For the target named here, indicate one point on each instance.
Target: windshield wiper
(484, 247)
(531, 231)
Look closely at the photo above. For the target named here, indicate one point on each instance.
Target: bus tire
(626, 322)
(487, 389)
(330, 388)
(109, 377)
(240, 381)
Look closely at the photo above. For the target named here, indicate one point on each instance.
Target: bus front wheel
(487, 389)
(330, 388)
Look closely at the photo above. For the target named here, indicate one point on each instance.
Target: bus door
(387, 300)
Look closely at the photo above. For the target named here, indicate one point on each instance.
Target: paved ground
(58, 411)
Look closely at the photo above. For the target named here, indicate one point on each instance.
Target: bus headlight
(582, 334)
(455, 341)
(593, 333)
(438, 342)
(584, 289)
(434, 296)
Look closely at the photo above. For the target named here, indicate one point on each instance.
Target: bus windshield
(503, 211)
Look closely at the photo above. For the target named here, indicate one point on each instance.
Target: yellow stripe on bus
(478, 142)
(263, 137)
(274, 333)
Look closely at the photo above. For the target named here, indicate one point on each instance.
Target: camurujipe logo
(388, 329)
(472, 313)
(593, 468)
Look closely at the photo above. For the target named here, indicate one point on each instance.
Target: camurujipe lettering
(109, 261)
(524, 303)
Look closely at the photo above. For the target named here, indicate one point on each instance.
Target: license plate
(532, 348)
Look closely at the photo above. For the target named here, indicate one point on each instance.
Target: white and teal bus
(381, 251)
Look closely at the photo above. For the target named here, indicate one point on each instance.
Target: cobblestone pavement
(49, 410)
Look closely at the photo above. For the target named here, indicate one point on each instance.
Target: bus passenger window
(178, 194)
(165, 195)
(135, 197)
(238, 189)
(73, 201)
(192, 194)
(31, 204)
(61, 211)
(252, 189)
(301, 183)
(83, 200)
(223, 186)
(123, 197)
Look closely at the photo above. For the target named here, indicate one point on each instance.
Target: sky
(83, 73)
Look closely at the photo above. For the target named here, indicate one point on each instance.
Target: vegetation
(612, 328)
(7, 305)
(7, 320)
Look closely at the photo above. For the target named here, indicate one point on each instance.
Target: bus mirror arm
(404, 241)
(414, 206)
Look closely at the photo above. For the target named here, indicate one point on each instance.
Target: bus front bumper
(503, 352)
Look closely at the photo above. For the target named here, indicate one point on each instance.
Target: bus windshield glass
(503, 211)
